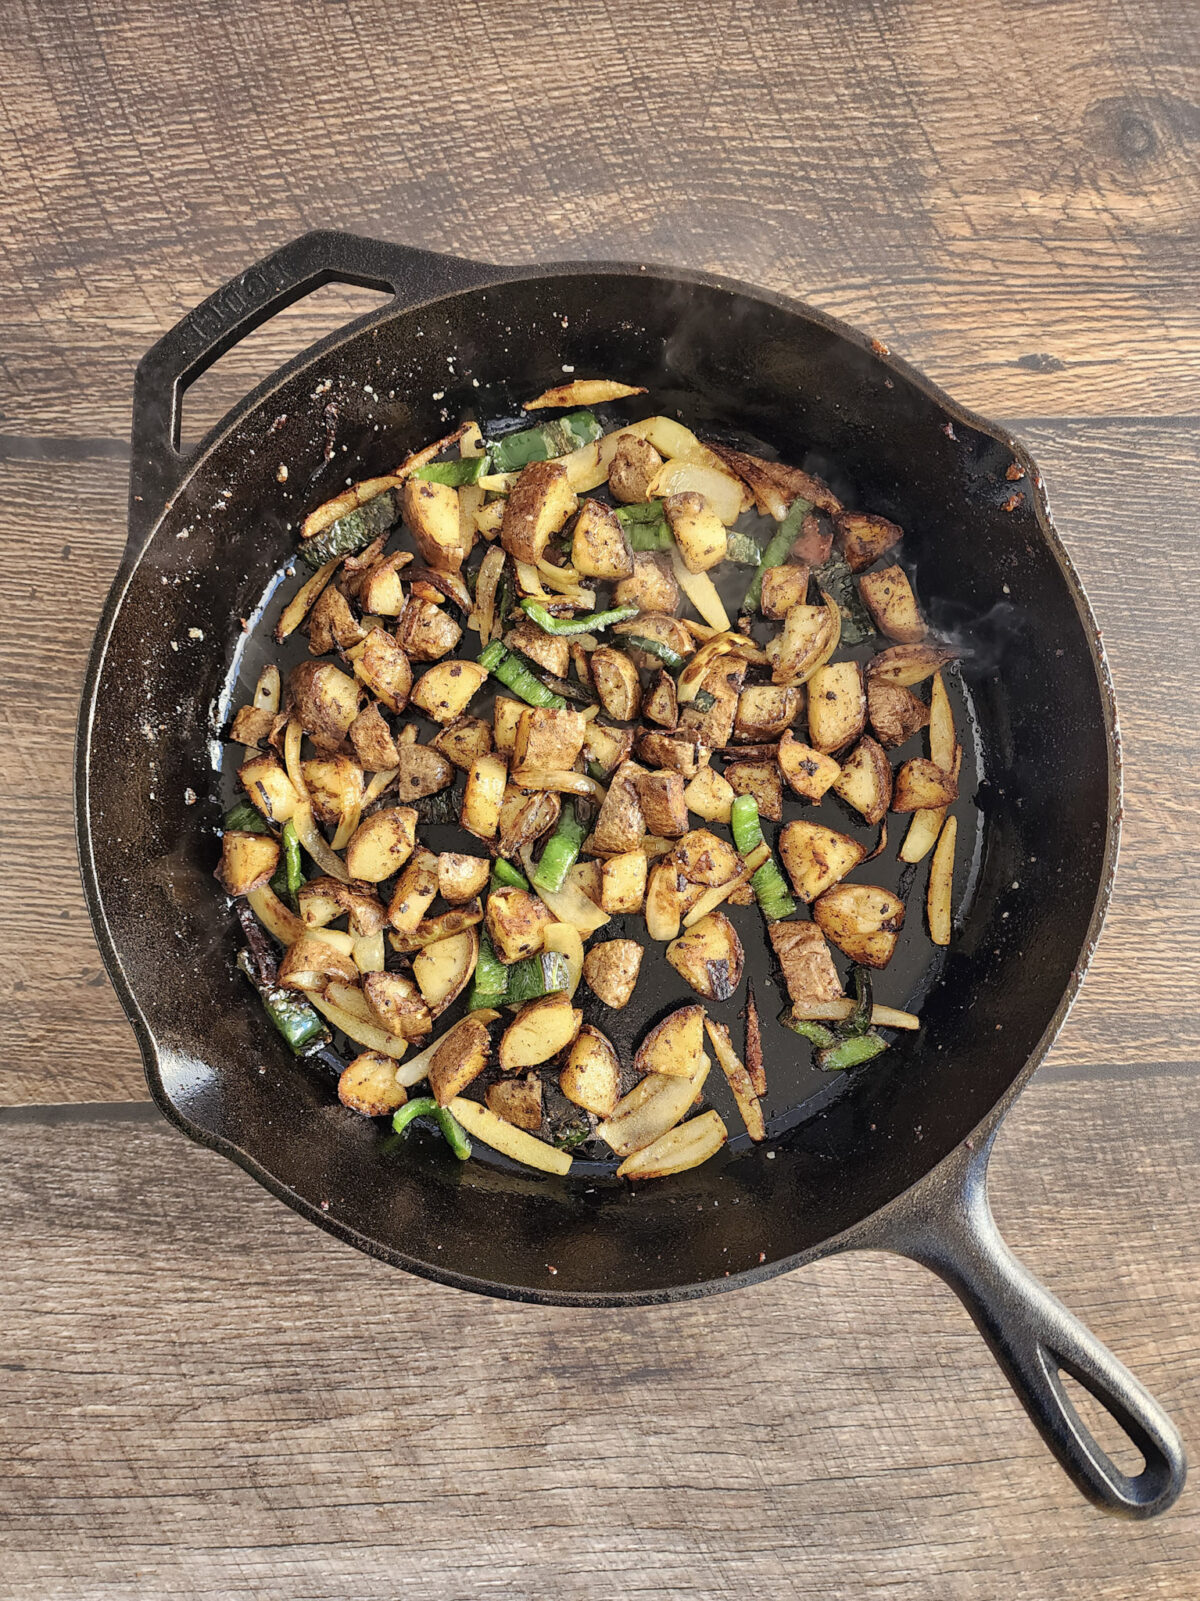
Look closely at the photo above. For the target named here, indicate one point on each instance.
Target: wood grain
(216, 1399)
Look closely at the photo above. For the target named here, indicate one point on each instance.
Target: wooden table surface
(202, 1396)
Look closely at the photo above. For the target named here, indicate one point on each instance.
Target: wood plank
(1010, 201)
(1123, 494)
(203, 1400)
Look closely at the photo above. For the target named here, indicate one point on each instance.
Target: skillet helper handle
(1036, 1340)
(237, 309)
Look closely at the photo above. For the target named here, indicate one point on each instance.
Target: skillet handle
(244, 304)
(950, 1229)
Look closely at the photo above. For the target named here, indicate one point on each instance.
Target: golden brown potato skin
(461, 1057)
(863, 537)
(837, 706)
(324, 702)
(782, 588)
(865, 781)
(894, 712)
(331, 623)
(369, 1085)
(681, 752)
(709, 957)
(599, 546)
(247, 861)
(891, 602)
(420, 771)
(662, 802)
(548, 738)
(426, 632)
(631, 472)
(652, 586)
(808, 969)
(382, 844)
(466, 738)
(554, 654)
(385, 669)
(809, 772)
(816, 857)
(591, 1078)
(611, 971)
(518, 1101)
(540, 503)
(760, 779)
(621, 824)
(372, 740)
(516, 921)
(617, 684)
(704, 858)
(863, 920)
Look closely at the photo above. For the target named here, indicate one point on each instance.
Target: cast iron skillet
(897, 1158)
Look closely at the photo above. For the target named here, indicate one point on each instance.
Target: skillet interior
(742, 364)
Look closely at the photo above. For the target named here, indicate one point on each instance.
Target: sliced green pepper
(426, 1106)
(300, 1024)
(811, 1030)
(466, 470)
(671, 659)
(850, 1052)
(589, 624)
(777, 551)
(561, 850)
(245, 819)
(768, 883)
(514, 675)
(505, 875)
(351, 533)
(548, 440)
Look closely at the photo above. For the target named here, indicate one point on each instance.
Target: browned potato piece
(380, 592)
(865, 781)
(808, 969)
(426, 632)
(699, 532)
(817, 857)
(652, 588)
(369, 1085)
(459, 1059)
(921, 784)
(760, 779)
(415, 891)
(548, 651)
(774, 484)
(247, 860)
(765, 710)
(806, 637)
(461, 877)
(863, 538)
(591, 1078)
(782, 588)
(539, 1031)
(444, 692)
(710, 796)
(540, 503)
(705, 859)
(675, 1046)
(723, 681)
(398, 1005)
(660, 704)
(895, 712)
(516, 922)
(443, 967)
(709, 957)
(587, 877)
(465, 738)
(908, 664)
(506, 714)
(631, 472)
(438, 931)
(310, 963)
(323, 701)
(621, 823)
(253, 725)
(617, 683)
(267, 784)
(662, 802)
(837, 706)
(623, 882)
(385, 670)
(679, 752)
(517, 1100)
(599, 547)
(432, 513)
(335, 784)
(525, 818)
(611, 971)
(893, 605)
(657, 626)
(809, 773)
(382, 844)
(548, 737)
(863, 920)
(331, 623)
(664, 900)
(372, 740)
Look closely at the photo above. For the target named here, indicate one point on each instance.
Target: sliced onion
(314, 843)
(357, 1029)
(348, 822)
(701, 591)
(291, 758)
(278, 920)
(486, 584)
(369, 952)
(297, 608)
(722, 492)
(378, 784)
(838, 1011)
(558, 779)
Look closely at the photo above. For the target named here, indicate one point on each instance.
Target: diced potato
(616, 682)
(611, 971)
(760, 779)
(464, 739)
(539, 1031)
(738, 1078)
(431, 511)
(444, 926)
(444, 692)
(459, 1059)
(569, 904)
(710, 796)
(709, 957)
(633, 468)
(863, 920)
(443, 969)
(621, 823)
(675, 1046)
(592, 1075)
(940, 895)
(247, 861)
(660, 705)
(683, 1147)
(663, 806)
(323, 899)
(714, 726)
(517, 1100)
(817, 857)
(484, 796)
(548, 738)
(608, 747)
(385, 669)
(908, 664)
(335, 786)
(775, 485)
(252, 727)
(516, 920)
(267, 784)
(664, 904)
(549, 651)
(699, 532)
(895, 712)
(380, 592)
(809, 636)
(323, 701)
(782, 588)
(460, 878)
(764, 711)
(538, 505)
(703, 858)
(679, 752)
(808, 969)
(837, 706)
(332, 625)
(426, 632)
(398, 1005)
(809, 772)
(891, 602)
(865, 781)
(921, 785)
(421, 771)
(652, 586)
(506, 714)
(310, 962)
(372, 740)
(382, 843)
(524, 818)
(722, 494)
(599, 546)
(863, 538)
(369, 1085)
(623, 882)
(568, 941)
(415, 891)
(489, 519)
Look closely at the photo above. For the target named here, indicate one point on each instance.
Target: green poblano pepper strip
(425, 1106)
(768, 883)
(592, 623)
(490, 982)
(640, 511)
(465, 470)
(835, 577)
(777, 551)
(850, 1052)
(301, 1026)
(506, 876)
(650, 536)
(671, 659)
(810, 1028)
(536, 976)
(514, 675)
(859, 1021)
(561, 850)
(511, 452)
(353, 532)
(245, 819)
(740, 548)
